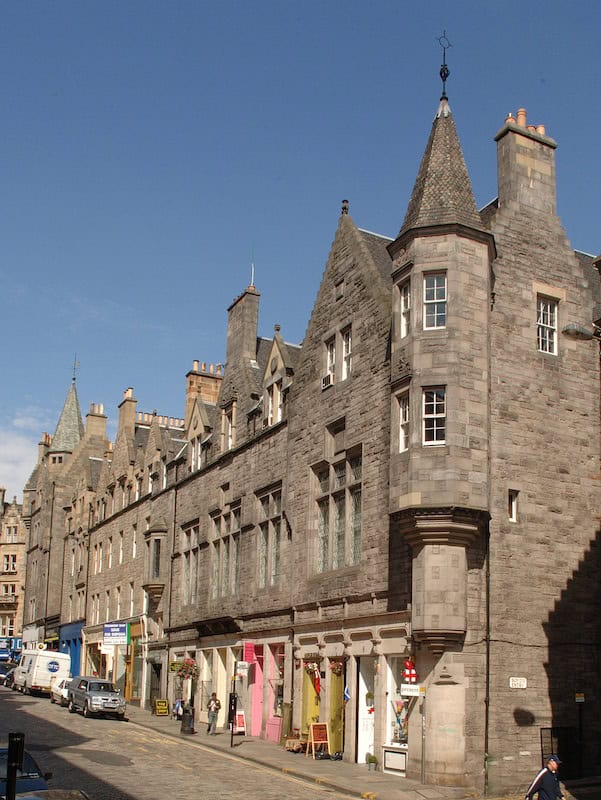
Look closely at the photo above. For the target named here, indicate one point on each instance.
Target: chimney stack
(526, 165)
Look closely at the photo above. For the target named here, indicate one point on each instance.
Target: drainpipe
(487, 666)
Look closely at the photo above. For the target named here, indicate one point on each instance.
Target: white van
(39, 669)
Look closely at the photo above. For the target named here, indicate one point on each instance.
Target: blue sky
(151, 150)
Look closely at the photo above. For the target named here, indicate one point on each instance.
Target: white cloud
(18, 457)
(30, 418)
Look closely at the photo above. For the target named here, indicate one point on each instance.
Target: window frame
(438, 304)
(547, 324)
(434, 415)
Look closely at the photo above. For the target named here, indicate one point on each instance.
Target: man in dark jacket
(546, 783)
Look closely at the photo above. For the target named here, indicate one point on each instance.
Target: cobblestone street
(112, 760)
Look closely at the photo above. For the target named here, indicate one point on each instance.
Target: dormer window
(228, 426)
(274, 403)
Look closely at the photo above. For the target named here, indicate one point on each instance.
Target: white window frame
(435, 300)
(331, 359)
(512, 505)
(434, 415)
(547, 309)
(404, 421)
(405, 308)
(347, 352)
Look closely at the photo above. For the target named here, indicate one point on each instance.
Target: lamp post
(233, 706)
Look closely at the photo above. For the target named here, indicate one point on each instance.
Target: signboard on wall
(115, 633)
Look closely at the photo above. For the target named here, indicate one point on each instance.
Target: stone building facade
(392, 528)
(13, 542)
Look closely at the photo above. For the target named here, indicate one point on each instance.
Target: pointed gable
(199, 422)
(69, 429)
(443, 192)
(353, 279)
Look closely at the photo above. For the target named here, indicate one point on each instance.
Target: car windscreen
(102, 687)
(30, 768)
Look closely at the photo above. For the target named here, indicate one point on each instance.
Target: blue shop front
(70, 641)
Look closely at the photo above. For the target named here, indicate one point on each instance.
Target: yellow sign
(161, 708)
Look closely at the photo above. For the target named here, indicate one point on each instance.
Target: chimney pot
(204, 366)
(540, 129)
(195, 365)
(510, 118)
(521, 117)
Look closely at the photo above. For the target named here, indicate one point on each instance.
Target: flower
(336, 667)
(188, 669)
(312, 667)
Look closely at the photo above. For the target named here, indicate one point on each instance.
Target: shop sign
(412, 690)
(115, 633)
(579, 697)
(241, 669)
(518, 683)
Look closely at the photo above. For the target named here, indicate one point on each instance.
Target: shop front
(352, 679)
(70, 638)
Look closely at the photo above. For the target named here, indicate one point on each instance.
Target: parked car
(29, 779)
(59, 691)
(8, 680)
(94, 695)
(5, 668)
(56, 794)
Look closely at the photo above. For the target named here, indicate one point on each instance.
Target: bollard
(187, 720)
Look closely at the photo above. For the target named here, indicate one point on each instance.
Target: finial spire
(75, 367)
(345, 205)
(444, 70)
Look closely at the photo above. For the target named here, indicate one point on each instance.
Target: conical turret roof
(70, 426)
(442, 193)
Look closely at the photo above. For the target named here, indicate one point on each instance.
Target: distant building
(13, 542)
(392, 528)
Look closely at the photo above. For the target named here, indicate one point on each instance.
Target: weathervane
(444, 70)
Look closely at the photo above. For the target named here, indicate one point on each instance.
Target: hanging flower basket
(188, 669)
(336, 667)
(311, 667)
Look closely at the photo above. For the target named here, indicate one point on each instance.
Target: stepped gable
(442, 193)
(69, 429)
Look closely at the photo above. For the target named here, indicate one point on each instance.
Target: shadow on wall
(574, 670)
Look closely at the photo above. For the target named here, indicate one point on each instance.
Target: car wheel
(52, 700)
(86, 710)
(121, 717)
(71, 707)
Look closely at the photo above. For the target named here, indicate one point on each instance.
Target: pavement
(354, 780)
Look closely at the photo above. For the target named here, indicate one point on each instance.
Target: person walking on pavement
(546, 783)
(213, 707)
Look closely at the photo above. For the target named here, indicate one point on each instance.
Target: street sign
(518, 683)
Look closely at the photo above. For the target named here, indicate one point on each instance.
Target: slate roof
(377, 244)
(70, 426)
(443, 192)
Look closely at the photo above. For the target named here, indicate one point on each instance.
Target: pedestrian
(213, 707)
(546, 783)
